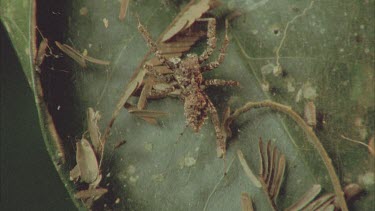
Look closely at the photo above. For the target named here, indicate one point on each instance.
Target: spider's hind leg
(220, 59)
(211, 39)
(220, 136)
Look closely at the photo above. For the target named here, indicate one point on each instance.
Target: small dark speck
(358, 38)
(274, 90)
(296, 9)
(284, 74)
(276, 31)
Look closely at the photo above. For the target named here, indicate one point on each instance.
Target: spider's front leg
(220, 59)
(211, 39)
(153, 47)
(220, 136)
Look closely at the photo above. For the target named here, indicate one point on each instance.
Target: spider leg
(221, 56)
(211, 39)
(220, 136)
(219, 82)
(152, 45)
(158, 94)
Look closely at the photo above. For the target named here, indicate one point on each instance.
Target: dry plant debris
(78, 57)
(87, 169)
(123, 9)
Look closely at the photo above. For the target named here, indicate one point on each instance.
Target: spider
(186, 81)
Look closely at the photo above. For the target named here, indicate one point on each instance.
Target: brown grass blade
(39, 58)
(306, 198)
(323, 200)
(262, 162)
(148, 113)
(96, 61)
(123, 9)
(246, 203)
(269, 160)
(278, 177)
(95, 193)
(273, 169)
(72, 53)
(93, 128)
(145, 92)
(78, 57)
(247, 169)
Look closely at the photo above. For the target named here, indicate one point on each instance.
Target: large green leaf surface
(16, 18)
(325, 45)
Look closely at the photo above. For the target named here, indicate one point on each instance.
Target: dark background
(28, 178)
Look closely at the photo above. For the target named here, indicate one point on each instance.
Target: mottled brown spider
(186, 81)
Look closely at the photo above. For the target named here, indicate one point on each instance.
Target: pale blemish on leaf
(157, 177)
(105, 22)
(367, 179)
(309, 91)
(148, 147)
(83, 11)
(131, 169)
(133, 179)
(190, 161)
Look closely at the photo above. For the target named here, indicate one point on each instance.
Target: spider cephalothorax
(186, 80)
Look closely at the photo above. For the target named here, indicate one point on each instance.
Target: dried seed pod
(41, 52)
(310, 113)
(246, 203)
(86, 161)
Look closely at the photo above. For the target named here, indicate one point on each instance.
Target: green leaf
(16, 17)
(324, 48)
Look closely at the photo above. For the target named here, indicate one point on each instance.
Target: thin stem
(308, 130)
(355, 141)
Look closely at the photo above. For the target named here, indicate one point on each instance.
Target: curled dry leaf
(246, 203)
(92, 124)
(188, 16)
